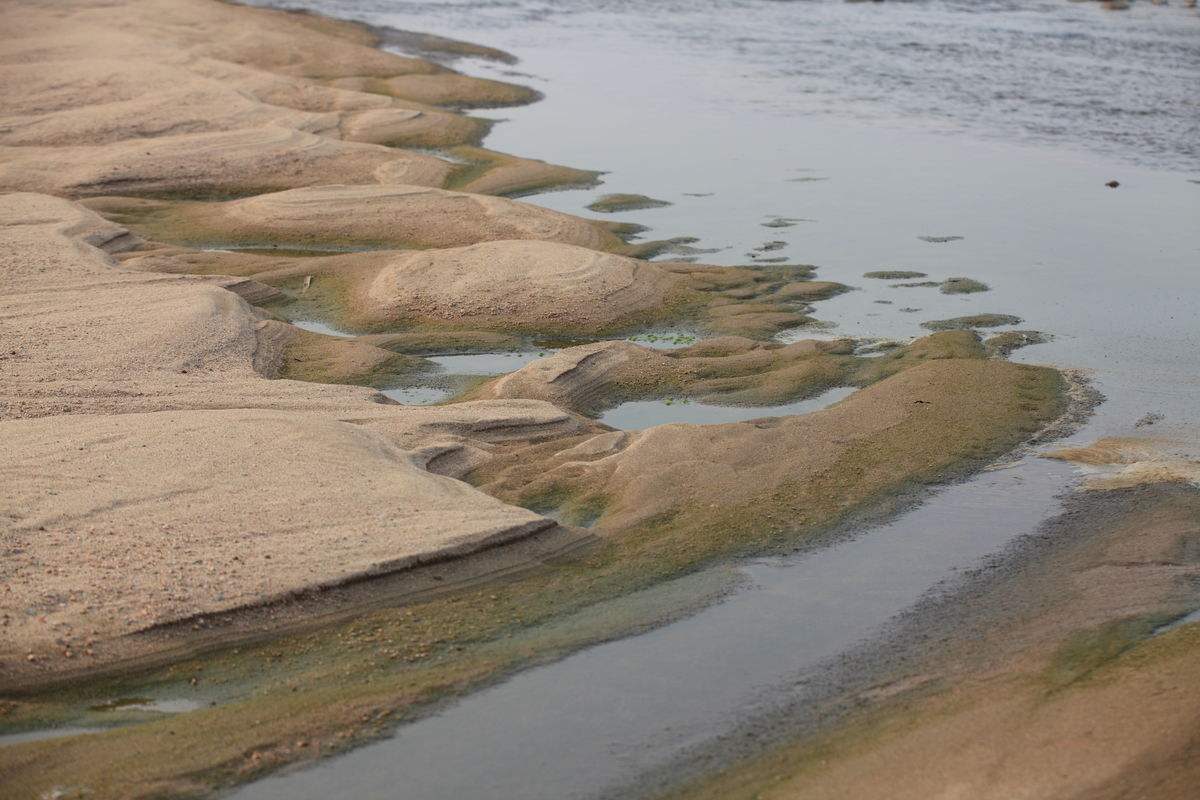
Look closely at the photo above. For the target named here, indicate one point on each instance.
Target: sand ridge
(151, 436)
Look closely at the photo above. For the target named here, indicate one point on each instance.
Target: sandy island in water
(186, 471)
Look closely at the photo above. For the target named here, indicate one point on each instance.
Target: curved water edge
(598, 721)
(1036, 223)
(589, 725)
(638, 414)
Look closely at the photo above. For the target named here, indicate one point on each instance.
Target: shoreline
(491, 453)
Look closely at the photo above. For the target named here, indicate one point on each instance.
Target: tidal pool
(638, 414)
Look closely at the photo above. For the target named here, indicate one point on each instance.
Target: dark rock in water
(940, 239)
(767, 247)
(1113, 184)
(1149, 419)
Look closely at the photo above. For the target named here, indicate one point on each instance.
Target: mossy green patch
(612, 203)
(972, 321)
(963, 286)
(1088, 652)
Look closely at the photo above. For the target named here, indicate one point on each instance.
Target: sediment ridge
(176, 450)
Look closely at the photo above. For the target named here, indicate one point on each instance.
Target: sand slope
(128, 500)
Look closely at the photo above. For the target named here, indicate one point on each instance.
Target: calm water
(876, 124)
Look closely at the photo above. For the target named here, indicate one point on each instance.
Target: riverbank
(1064, 668)
(179, 440)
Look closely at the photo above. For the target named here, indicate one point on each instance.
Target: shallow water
(45, 733)
(319, 326)
(638, 414)
(877, 124)
(487, 363)
(590, 724)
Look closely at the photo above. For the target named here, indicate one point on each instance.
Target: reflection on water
(999, 121)
(639, 414)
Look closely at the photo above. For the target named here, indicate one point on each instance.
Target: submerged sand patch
(1116, 463)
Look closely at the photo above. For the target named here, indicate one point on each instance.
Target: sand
(1063, 680)
(152, 437)
(163, 465)
(193, 97)
(513, 286)
(368, 215)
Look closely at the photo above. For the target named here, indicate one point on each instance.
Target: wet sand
(379, 557)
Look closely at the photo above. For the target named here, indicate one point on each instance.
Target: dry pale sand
(159, 464)
(197, 96)
(525, 285)
(542, 284)
(151, 469)
(158, 475)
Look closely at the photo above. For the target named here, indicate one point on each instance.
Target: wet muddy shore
(323, 444)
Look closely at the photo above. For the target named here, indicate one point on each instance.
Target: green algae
(613, 203)
(972, 321)
(963, 286)
(1087, 652)
(1003, 344)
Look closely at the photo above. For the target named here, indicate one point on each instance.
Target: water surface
(886, 128)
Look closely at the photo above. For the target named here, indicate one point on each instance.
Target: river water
(872, 125)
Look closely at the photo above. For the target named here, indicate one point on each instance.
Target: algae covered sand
(612, 203)
(1075, 682)
(209, 503)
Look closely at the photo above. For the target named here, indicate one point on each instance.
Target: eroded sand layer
(118, 519)
(162, 464)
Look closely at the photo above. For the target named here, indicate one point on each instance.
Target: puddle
(1186, 619)
(487, 363)
(289, 252)
(176, 705)
(638, 414)
(45, 733)
(664, 341)
(317, 326)
(418, 395)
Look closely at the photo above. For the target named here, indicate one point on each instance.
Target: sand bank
(1065, 672)
(162, 468)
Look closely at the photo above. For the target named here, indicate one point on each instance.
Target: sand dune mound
(729, 370)
(117, 90)
(139, 429)
(150, 518)
(535, 285)
(251, 160)
(728, 481)
(404, 216)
